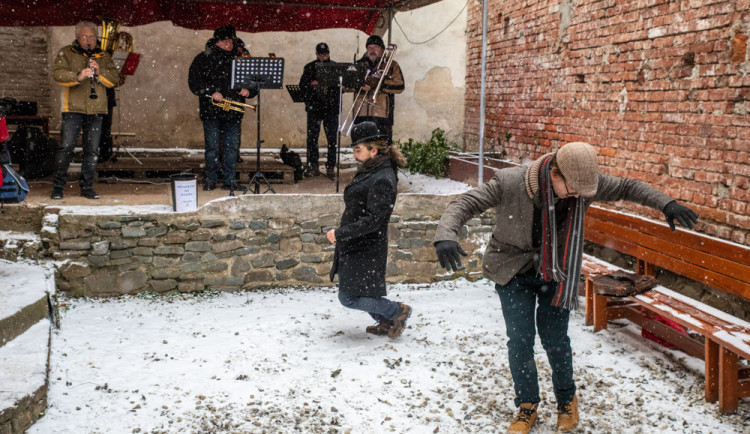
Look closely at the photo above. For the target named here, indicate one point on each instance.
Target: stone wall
(661, 88)
(239, 243)
(251, 242)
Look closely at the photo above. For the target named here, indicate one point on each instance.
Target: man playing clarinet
(85, 72)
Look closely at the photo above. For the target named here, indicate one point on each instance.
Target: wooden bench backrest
(719, 264)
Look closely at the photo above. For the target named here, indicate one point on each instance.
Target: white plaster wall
(158, 107)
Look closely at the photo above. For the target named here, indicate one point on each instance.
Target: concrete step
(23, 297)
(24, 367)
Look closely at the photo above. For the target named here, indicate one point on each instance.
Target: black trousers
(105, 144)
(72, 125)
(330, 123)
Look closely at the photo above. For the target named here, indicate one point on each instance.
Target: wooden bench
(721, 265)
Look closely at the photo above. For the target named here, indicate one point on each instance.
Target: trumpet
(379, 73)
(228, 104)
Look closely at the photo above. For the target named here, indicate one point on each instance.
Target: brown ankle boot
(379, 329)
(524, 420)
(567, 415)
(399, 323)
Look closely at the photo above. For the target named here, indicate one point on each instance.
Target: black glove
(447, 253)
(683, 214)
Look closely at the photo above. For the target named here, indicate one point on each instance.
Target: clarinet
(92, 93)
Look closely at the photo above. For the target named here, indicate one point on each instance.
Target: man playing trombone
(210, 78)
(378, 106)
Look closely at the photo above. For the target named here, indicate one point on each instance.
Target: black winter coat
(211, 71)
(318, 98)
(362, 238)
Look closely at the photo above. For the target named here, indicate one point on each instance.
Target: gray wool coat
(511, 247)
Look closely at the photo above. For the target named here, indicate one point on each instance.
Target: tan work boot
(399, 323)
(379, 329)
(567, 415)
(524, 420)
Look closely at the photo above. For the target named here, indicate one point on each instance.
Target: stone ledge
(16, 324)
(24, 374)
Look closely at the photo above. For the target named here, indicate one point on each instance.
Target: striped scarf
(567, 276)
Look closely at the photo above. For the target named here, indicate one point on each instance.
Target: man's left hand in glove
(682, 214)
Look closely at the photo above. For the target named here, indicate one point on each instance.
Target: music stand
(258, 73)
(341, 75)
(295, 92)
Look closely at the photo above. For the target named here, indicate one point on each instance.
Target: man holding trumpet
(210, 78)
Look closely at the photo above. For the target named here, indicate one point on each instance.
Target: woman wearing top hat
(362, 237)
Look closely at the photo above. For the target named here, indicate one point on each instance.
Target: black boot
(57, 193)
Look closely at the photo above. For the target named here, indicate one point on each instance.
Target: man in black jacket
(322, 105)
(210, 79)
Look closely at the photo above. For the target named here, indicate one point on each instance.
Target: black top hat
(322, 48)
(366, 132)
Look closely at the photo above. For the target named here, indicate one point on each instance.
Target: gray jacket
(511, 246)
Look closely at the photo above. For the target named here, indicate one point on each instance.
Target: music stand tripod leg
(258, 174)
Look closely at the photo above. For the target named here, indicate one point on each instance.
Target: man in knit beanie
(381, 110)
(209, 77)
(534, 258)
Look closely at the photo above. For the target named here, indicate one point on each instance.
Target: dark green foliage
(429, 158)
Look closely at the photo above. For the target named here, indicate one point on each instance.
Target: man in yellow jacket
(84, 71)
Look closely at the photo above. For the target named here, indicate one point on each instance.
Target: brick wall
(661, 87)
(24, 66)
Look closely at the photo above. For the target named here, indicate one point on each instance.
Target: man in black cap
(381, 112)
(322, 105)
(210, 78)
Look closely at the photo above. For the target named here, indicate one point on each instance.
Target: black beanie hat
(375, 40)
(226, 32)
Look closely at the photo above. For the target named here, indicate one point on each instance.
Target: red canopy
(246, 16)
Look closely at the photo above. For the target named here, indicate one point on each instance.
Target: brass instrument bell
(109, 34)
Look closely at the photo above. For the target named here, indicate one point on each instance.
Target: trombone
(228, 104)
(379, 73)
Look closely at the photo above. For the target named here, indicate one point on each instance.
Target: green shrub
(429, 158)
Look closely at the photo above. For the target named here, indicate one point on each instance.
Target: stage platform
(160, 167)
(128, 182)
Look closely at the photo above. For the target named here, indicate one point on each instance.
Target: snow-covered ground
(419, 183)
(295, 360)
